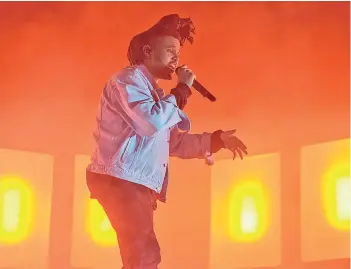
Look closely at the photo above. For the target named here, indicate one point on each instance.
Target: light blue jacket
(138, 128)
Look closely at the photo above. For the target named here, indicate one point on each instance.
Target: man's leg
(129, 208)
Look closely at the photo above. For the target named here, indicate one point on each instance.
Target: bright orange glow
(92, 230)
(343, 198)
(325, 201)
(336, 193)
(248, 216)
(16, 210)
(245, 212)
(98, 226)
(25, 208)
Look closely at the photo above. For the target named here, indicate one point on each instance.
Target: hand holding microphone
(182, 92)
(186, 76)
(186, 80)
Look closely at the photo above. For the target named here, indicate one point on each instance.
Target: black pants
(130, 208)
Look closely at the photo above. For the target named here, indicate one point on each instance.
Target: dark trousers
(130, 208)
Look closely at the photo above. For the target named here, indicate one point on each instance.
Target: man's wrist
(216, 141)
(182, 85)
(181, 93)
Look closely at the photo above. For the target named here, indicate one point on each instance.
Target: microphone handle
(202, 90)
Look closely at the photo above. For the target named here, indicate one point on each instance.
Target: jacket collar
(143, 69)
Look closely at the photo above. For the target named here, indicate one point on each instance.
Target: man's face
(164, 56)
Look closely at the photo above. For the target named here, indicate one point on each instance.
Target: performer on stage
(138, 128)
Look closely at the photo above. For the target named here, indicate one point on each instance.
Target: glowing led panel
(343, 199)
(325, 201)
(336, 196)
(16, 210)
(245, 219)
(92, 230)
(25, 208)
(98, 225)
(248, 211)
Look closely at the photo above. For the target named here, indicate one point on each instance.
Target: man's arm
(188, 146)
(138, 108)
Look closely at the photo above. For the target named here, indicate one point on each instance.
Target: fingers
(190, 73)
(187, 69)
(239, 149)
(242, 146)
(185, 75)
(234, 144)
(240, 153)
(234, 154)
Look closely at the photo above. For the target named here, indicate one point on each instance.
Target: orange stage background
(280, 72)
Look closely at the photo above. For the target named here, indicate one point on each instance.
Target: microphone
(201, 89)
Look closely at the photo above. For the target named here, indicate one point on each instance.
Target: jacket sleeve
(137, 107)
(189, 146)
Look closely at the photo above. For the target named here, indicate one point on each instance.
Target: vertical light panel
(98, 225)
(343, 202)
(325, 201)
(248, 211)
(25, 208)
(92, 230)
(245, 220)
(11, 216)
(16, 210)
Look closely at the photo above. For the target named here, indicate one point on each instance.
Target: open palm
(233, 143)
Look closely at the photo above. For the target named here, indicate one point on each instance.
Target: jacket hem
(120, 173)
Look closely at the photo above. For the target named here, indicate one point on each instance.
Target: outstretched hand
(233, 143)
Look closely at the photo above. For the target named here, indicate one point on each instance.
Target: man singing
(138, 128)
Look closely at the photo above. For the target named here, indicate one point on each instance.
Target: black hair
(171, 25)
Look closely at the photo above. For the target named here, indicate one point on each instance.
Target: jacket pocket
(129, 149)
(124, 151)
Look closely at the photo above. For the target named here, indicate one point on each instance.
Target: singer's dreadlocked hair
(172, 25)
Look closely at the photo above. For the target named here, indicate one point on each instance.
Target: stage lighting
(25, 208)
(245, 213)
(325, 201)
(16, 210)
(98, 225)
(92, 230)
(248, 211)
